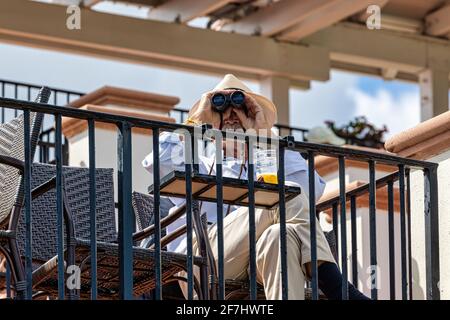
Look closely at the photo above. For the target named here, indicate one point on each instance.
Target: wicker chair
(77, 219)
(77, 226)
(234, 289)
(12, 184)
(144, 212)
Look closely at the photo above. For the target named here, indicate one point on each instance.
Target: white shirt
(171, 157)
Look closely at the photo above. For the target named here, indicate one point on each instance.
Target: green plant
(360, 132)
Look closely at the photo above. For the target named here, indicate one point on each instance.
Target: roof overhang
(160, 43)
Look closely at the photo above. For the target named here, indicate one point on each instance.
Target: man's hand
(256, 118)
(204, 112)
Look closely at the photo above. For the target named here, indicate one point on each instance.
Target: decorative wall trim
(363, 201)
(423, 141)
(327, 165)
(72, 126)
(130, 98)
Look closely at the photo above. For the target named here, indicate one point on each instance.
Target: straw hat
(324, 135)
(232, 82)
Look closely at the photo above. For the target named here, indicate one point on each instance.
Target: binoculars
(220, 102)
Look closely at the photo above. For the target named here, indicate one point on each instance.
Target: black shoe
(355, 294)
(330, 282)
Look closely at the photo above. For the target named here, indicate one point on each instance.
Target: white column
(434, 86)
(277, 90)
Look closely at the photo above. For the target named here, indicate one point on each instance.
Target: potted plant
(360, 132)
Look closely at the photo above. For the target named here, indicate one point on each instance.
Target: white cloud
(324, 101)
(341, 99)
(396, 112)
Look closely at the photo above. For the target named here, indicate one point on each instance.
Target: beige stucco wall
(418, 231)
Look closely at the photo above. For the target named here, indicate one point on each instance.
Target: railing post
(401, 182)
(92, 207)
(157, 214)
(432, 233)
(343, 204)
(59, 207)
(282, 208)
(354, 241)
(219, 196)
(336, 229)
(251, 216)
(126, 216)
(16, 112)
(373, 231)
(28, 215)
(312, 218)
(189, 223)
(391, 229)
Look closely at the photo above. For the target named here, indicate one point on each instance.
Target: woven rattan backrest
(76, 188)
(11, 144)
(144, 212)
(143, 209)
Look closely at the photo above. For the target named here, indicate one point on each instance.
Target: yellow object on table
(268, 177)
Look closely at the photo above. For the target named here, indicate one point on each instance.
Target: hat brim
(269, 109)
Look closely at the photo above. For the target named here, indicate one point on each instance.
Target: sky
(348, 95)
(340, 99)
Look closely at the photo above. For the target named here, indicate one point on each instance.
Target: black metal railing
(298, 133)
(192, 136)
(26, 91)
(46, 147)
(62, 97)
(337, 207)
(179, 114)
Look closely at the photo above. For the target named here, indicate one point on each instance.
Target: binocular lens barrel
(221, 102)
(218, 100)
(237, 99)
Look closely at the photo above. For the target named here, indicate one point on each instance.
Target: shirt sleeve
(171, 154)
(293, 162)
(296, 170)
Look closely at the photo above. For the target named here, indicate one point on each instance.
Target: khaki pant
(268, 257)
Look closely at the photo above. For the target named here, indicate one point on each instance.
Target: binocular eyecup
(220, 102)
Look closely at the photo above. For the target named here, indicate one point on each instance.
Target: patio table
(235, 191)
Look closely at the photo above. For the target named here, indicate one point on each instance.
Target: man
(259, 115)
